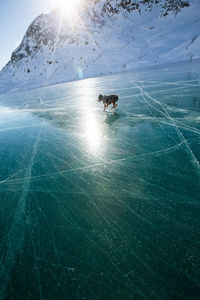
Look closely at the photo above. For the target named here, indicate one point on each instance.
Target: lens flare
(80, 72)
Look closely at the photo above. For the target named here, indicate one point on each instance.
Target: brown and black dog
(107, 100)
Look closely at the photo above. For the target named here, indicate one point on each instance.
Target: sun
(69, 6)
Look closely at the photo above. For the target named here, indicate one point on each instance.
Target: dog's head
(100, 98)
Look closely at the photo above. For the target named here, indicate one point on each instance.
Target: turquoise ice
(102, 205)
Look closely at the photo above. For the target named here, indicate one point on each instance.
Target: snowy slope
(104, 37)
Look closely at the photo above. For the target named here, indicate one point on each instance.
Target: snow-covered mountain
(104, 37)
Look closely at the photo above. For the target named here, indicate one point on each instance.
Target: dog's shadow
(111, 118)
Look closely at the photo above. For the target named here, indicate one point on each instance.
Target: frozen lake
(102, 205)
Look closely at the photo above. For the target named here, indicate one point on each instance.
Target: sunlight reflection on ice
(91, 124)
(92, 132)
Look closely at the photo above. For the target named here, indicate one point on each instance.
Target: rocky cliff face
(104, 37)
(166, 6)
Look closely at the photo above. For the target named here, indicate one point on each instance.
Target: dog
(107, 100)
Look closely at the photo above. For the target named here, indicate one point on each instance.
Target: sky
(15, 17)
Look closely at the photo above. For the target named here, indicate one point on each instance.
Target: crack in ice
(17, 229)
(97, 164)
(179, 133)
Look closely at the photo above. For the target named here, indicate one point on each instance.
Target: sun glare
(69, 6)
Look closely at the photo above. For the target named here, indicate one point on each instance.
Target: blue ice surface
(102, 205)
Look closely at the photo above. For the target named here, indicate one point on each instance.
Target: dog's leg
(114, 105)
(104, 107)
